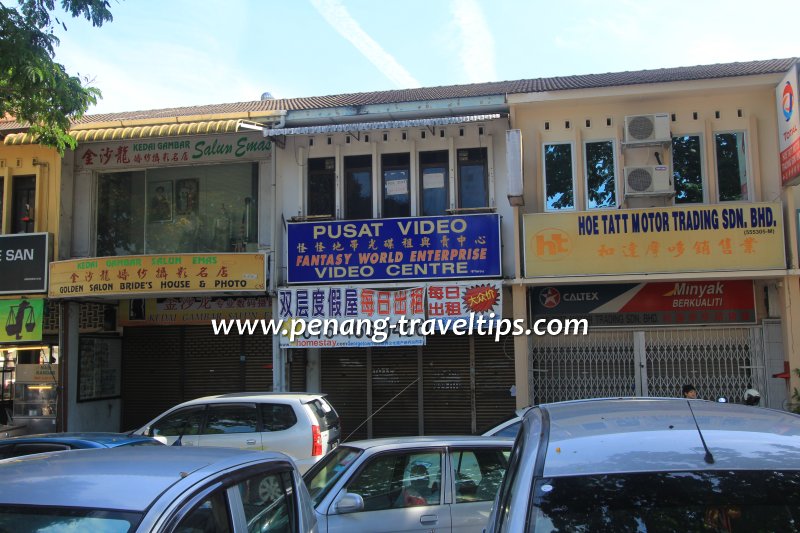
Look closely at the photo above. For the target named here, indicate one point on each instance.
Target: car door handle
(250, 442)
(428, 519)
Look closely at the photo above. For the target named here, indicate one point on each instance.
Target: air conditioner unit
(647, 128)
(648, 181)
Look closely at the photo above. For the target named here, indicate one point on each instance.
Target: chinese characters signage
(394, 249)
(23, 263)
(343, 302)
(441, 303)
(192, 310)
(99, 368)
(649, 304)
(172, 151)
(788, 126)
(677, 239)
(22, 320)
(128, 276)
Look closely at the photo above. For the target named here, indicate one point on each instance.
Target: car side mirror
(350, 503)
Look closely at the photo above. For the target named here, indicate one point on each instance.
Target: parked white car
(508, 428)
(408, 484)
(303, 425)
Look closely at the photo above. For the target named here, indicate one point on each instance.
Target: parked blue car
(53, 442)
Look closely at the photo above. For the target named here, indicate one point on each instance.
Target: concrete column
(521, 364)
(313, 370)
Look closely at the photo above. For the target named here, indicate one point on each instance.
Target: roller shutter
(344, 380)
(297, 371)
(395, 410)
(151, 373)
(494, 376)
(446, 385)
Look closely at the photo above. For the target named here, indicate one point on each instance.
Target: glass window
(321, 186)
(601, 177)
(434, 181)
(358, 187)
(212, 514)
(324, 474)
(277, 417)
(268, 504)
(559, 181)
(396, 185)
(669, 501)
(23, 200)
(399, 480)
(235, 418)
(209, 208)
(510, 430)
(687, 169)
(41, 518)
(473, 178)
(731, 166)
(479, 473)
(183, 422)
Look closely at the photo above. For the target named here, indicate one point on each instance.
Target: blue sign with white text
(395, 249)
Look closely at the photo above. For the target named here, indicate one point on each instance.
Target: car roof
(127, 478)
(435, 440)
(86, 439)
(303, 397)
(661, 434)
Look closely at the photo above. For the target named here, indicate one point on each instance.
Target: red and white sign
(788, 127)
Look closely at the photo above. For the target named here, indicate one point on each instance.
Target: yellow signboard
(183, 310)
(129, 276)
(673, 239)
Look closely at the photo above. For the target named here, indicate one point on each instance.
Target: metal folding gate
(719, 362)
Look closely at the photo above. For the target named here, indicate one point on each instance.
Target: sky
(168, 53)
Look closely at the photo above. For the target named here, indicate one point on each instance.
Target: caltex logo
(788, 101)
(549, 297)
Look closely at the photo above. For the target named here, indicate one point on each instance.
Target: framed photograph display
(187, 193)
(159, 203)
(99, 368)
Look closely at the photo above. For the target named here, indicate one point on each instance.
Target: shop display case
(35, 393)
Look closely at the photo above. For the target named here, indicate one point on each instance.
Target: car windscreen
(729, 501)
(325, 413)
(324, 475)
(35, 519)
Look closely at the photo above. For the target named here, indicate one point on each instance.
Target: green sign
(23, 320)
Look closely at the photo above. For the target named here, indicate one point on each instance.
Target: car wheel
(269, 490)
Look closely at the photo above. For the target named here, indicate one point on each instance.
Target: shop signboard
(788, 127)
(130, 276)
(22, 320)
(395, 249)
(192, 310)
(673, 239)
(23, 263)
(469, 302)
(166, 151)
(349, 312)
(678, 303)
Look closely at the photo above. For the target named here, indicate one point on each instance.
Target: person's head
(752, 397)
(689, 392)
(419, 476)
(160, 191)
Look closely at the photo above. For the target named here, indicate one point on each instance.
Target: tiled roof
(559, 83)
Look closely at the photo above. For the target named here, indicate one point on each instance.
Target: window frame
(703, 169)
(615, 169)
(395, 167)
(422, 167)
(320, 173)
(473, 162)
(574, 206)
(346, 173)
(748, 173)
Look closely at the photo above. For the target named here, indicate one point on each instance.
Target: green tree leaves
(34, 89)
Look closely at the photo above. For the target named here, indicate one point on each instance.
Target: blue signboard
(395, 249)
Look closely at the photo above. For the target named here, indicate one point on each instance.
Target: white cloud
(340, 20)
(476, 41)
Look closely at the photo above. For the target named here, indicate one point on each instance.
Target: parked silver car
(652, 464)
(408, 484)
(302, 425)
(154, 489)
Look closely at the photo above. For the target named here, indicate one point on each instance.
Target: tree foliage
(34, 89)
